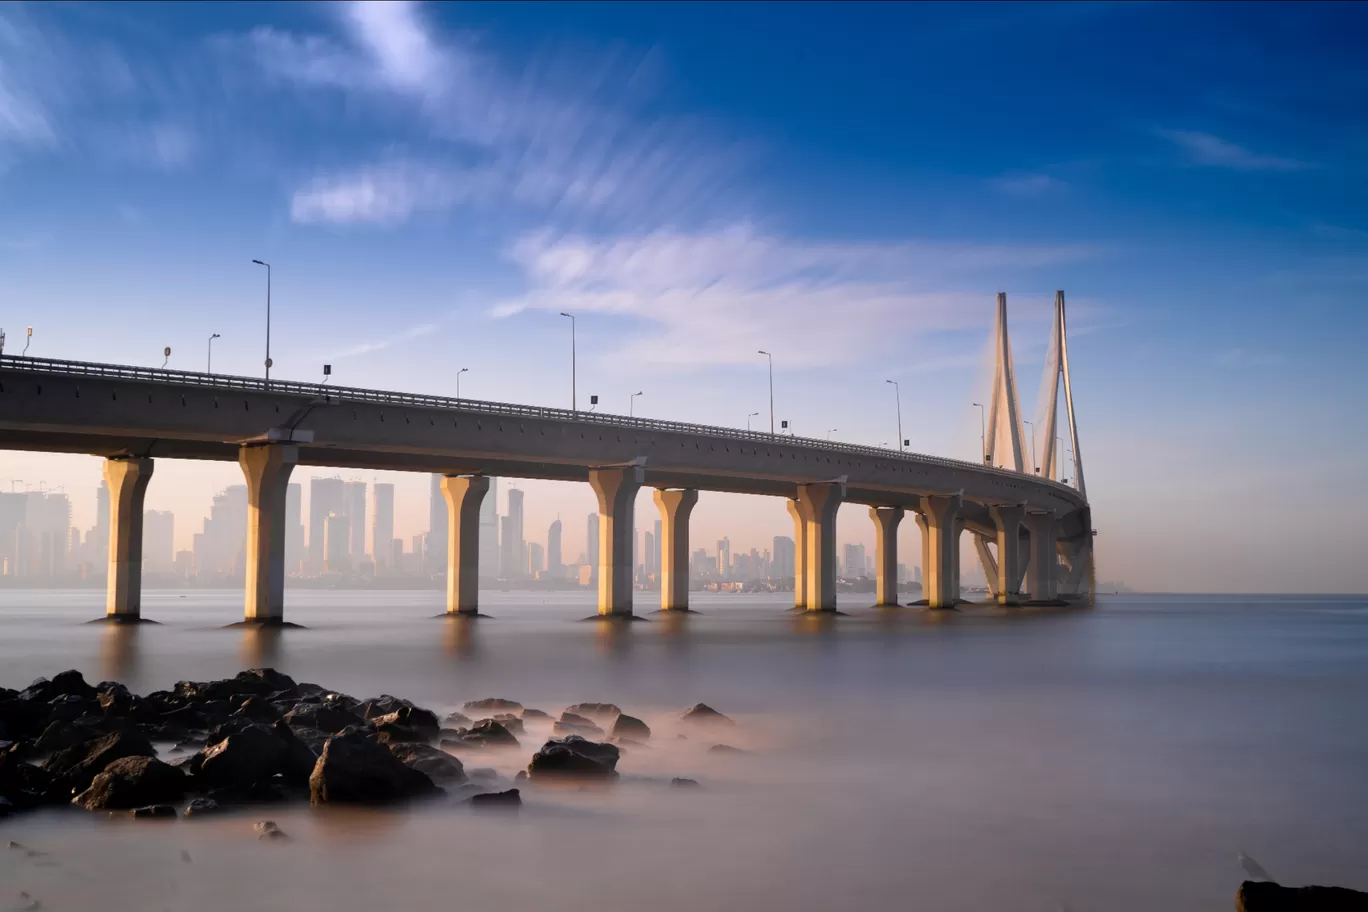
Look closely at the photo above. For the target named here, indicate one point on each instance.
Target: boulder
(76, 767)
(22, 718)
(492, 705)
(67, 683)
(599, 712)
(437, 764)
(535, 715)
(268, 830)
(25, 786)
(423, 721)
(154, 810)
(68, 708)
(394, 733)
(62, 735)
(631, 727)
(573, 724)
(202, 806)
(133, 782)
(382, 705)
(509, 798)
(483, 734)
(680, 782)
(458, 720)
(1263, 896)
(574, 757)
(324, 717)
(509, 721)
(725, 749)
(252, 755)
(703, 714)
(353, 769)
(258, 709)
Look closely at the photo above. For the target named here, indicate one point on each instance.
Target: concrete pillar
(675, 505)
(1008, 520)
(886, 521)
(127, 479)
(1041, 573)
(464, 494)
(1076, 556)
(940, 524)
(616, 489)
(799, 553)
(989, 565)
(819, 503)
(267, 469)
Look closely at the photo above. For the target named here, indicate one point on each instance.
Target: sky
(846, 186)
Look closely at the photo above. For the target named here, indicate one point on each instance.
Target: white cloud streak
(1210, 151)
(365, 348)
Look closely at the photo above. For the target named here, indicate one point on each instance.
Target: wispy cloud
(1027, 185)
(365, 348)
(1207, 150)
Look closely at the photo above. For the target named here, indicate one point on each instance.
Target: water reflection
(459, 639)
(261, 646)
(614, 637)
(119, 652)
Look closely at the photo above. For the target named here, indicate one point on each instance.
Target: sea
(1117, 758)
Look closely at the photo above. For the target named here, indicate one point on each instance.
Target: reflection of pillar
(675, 506)
(818, 504)
(1041, 572)
(267, 469)
(463, 494)
(1008, 520)
(799, 553)
(940, 524)
(886, 521)
(616, 489)
(127, 480)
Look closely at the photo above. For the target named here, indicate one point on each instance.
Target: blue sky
(844, 185)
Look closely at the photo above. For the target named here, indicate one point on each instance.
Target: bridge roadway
(1039, 530)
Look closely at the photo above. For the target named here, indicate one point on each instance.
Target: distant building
(159, 541)
(325, 500)
(382, 527)
(854, 561)
(354, 504)
(435, 552)
(723, 558)
(489, 532)
(591, 543)
(515, 550)
(553, 550)
(337, 544)
(294, 530)
(535, 559)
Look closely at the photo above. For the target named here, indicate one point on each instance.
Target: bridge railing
(339, 394)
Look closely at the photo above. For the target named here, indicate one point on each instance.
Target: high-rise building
(535, 559)
(784, 558)
(854, 561)
(553, 550)
(650, 551)
(220, 550)
(489, 532)
(159, 541)
(591, 543)
(294, 530)
(382, 529)
(435, 548)
(325, 499)
(653, 556)
(354, 504)
(46, 534)
(517, 548)
(12, 509)
(337, 544)
(723, 557)
(508, 552)
(699, 565)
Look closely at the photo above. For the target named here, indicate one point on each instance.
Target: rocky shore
(261, 738)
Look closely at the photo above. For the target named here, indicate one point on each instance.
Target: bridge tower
(1057, 365)
(1002, 443)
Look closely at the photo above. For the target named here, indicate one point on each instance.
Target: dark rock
(492, 704)
(324, 717)
(521, 777)
(68, 683)
(68, 708)
(535, 715)
(484, 774)
(437, 764)
(459, 720)
(268, 830)
(22, 718)
(509, 721)
(599, 712)
(382, 705)
(242, 759)
(394, 733)
(261, 682)
(423, 721)
(680, 782)
(631, 727)
(258, 709)
(202, 806)
(117, 700)
(572, 724)
(725, 749)
(485, 734)
(354, 769)
(133, 782)
(62, 735)
(25, 786)
(574, 757)
(193, 718)
(6, 808)
(510, 798)
(76, 767)
(155, 810)
(703, 714)
(1258, 896)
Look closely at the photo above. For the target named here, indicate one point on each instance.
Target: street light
(631, 403)
(268, 317)
(748, 418)
(27, 342)
(897, 392)
(1035, 465)
(771, 384)
(209, 362)
(166, 354)
(458, 382)
(574, 400)
(831, 431)
(983, 433)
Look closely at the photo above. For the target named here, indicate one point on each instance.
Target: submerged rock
(681, 782)
(414, 718)
(492, 704)
(437, 764)
(154, 810)
(202, 806)
(574, 757)
(1256, 896)
(133, 782)
(510, 798)
(458, 720)
(631, 727)
(268, 830)
(599, 712)
(509, 721)
(76, 767)
(574, 724)
(535, 715)
(702, 713)
(484, 734)
(354, 769)
(725, 749)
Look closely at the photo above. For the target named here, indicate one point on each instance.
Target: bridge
(1032, 531)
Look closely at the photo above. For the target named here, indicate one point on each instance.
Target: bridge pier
(1042, 570)
(464, 494)
(795, 510)
(675, 505)
(267, 469)
(940, 526)
(818, 503)
(127, 478)
(616, 489)
(886, 520)
(1077, 555)
(1008, 520)
(989, 565)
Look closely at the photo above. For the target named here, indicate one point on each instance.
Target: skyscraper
(854, 562)
(517, 548)
(534, 559)
(325, 499)
(508, 554)
(723, 557)
(553, 550)
(220, 550)
(382, 530)
(489, 532)
(336, 544)
(12, 506)
(354, 504)
(159, 541)
(649, 550)
(591, 543)
(435, 547)
(294, 529)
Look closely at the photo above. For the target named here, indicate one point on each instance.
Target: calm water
(1116, 759)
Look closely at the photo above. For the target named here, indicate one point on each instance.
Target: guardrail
(338, 394)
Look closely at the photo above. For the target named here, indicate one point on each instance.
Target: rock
(268, 830)
(415, 718)
(725, 749)
(487, 734)
(572, 724)
(253, 755)
(258, 709)
(76, 767)
(535, 715)
(492, 704)
(22, 718)
(459, 720)
(202, 806)
(67, 683)
(599, 712)
(117, 700)
(325, 717)
(154, 810)
(133, 782)
(1260, 896)
(6, 808)
(437, 764)
(382, 705)
(703, 714)
(574, 757)
(510, 798)
(24, 786)
(521, 777)
(484, 774)
(356, 770)
(261, 682)
(62, 735)
(631, 727)
(680, 782)
(69, 708)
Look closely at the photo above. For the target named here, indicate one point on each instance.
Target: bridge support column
(616, 489)
(1077, 558)
(800, 575)
(818, 504)
(127, 480)
(267, 469)
(1042, 573)
(675, 505)
(1008, 520)
(989, 565)
(464, 494)
(940, 526)
(886, 520)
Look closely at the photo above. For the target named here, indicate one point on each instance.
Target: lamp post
(268, 316)
(166, 355)
(209, 361)
(983, 433)
(897, 392)
(771, 388)
(458, 382)
(1034, 465)
(574, 400)
(28, 340)
(748, 418)
(831, 431)
(631, 404)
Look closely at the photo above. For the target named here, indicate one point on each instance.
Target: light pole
(209, 362)
(1034, 465)
(983, 433)
(458, 382)
(771, 381)
(27, 342)
(831, 431)
(631, 403)
(574, 400)
(166, 354)
(897, 392)
(268, 317)
(748, 418)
